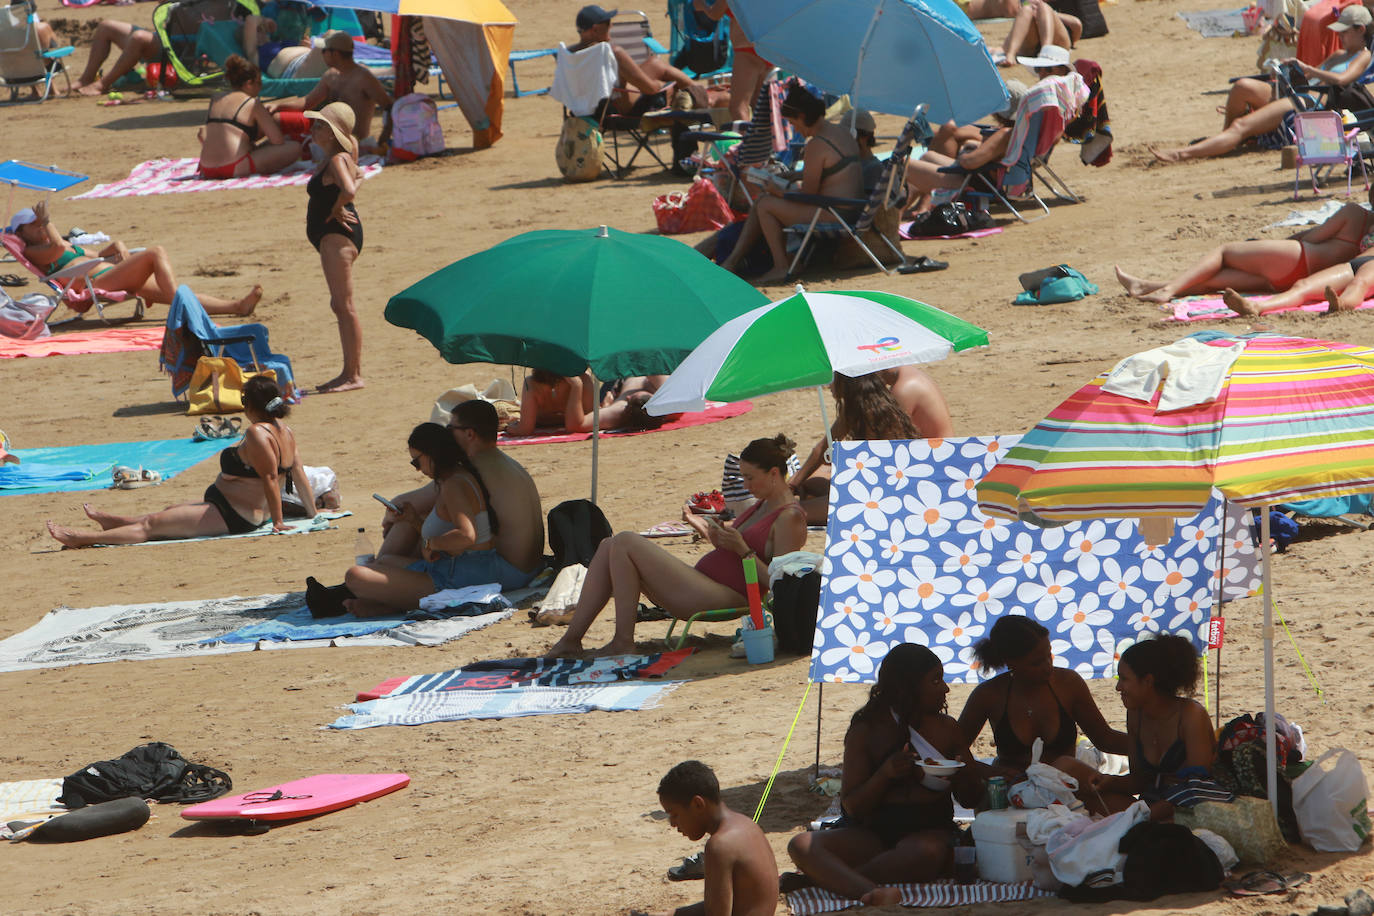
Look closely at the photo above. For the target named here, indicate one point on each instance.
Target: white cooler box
(1001, 857)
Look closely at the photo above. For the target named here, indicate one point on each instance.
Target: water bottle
(965, 858)
(362, 548)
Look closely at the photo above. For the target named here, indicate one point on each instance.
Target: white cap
(21, 218)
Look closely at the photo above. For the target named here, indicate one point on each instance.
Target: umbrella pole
(1220, 594)
(859, 66)
(596, 435)
(1270, 748)
(825, 421)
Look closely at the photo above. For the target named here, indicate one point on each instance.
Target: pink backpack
(415, 130)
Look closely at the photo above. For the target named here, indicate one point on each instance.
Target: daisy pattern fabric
(909, 558)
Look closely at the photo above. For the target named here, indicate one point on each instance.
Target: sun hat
(1355, 16)
(21, 218)
(1049, 56)
(591, 15)
(863, 120)
(338, 40)
(340, 119)
(1016, 91)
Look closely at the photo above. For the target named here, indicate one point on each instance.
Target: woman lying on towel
(146, 273)
(1170, 736)
(1266, 265)
(1033, 699)
(240, 136)
(627, 565)
(898, 821)
(245, 494)
(1344, 286)
(1252, 111)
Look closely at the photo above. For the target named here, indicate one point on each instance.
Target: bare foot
(1239, 304)
(341, 383)
(551, 618)
(1135, 286)
(249, 302)
(882, 896)
(615, 648)
(66, 536)
(1333, 302)
(104, 519)
(776, 275)
(1166, 155)
(565, 648)
(91, 90)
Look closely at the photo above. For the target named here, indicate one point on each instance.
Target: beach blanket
(293, 526)
(460, 705)
(29, 798)
(1216, 23)
(178, 176)
(50, 470)
(904, 230)
(178, 629)
(299, 624)
(1314, 216)
(945, 893)
(714, 411)
(504, 673)
(1211, 308)
(109, 340)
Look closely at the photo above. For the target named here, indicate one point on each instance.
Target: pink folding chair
(1322, 140)
(73, 284)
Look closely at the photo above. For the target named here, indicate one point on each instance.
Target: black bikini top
(250, 130)
(1010, 747)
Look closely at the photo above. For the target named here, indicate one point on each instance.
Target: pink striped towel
(178, 176)
(812, 900)
(1211, 308)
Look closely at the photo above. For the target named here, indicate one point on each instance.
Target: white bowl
(941, 767)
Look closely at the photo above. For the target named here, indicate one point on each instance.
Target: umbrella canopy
(479, 11)
(889, 55)
(1263, 418)
(569, 299)
(804, 339)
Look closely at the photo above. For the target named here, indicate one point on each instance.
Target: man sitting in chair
(639, 87)
(348, 82)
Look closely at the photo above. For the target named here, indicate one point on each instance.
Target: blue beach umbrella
(889, 55)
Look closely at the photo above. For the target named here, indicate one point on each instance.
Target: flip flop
(129, 479)
(693, 868)
(923, 264)
(12, 280)
(1263, 882)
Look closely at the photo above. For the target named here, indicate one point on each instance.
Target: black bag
(1355, 97)
(1160, 859)
(576, 528)
(948, 219)
(705, 52)
(795, 601)
(155, 771)
(1088, 12)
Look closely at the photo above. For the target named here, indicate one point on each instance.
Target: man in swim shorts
(645, 84)
(348, 82)
(135, 43)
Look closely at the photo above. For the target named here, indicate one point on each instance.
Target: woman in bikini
(748, 71)
(898, 822)
(236, 122)
(1170, 736)
(146, 273)
(832, 169)
(550, 401)
(1265, 265)
(1033, 699)
(245, 494)
(1344, 286)
(1251, 109)
(333, 227)
(627, 565)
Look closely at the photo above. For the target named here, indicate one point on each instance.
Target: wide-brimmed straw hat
(1049, 56)
(340, 119)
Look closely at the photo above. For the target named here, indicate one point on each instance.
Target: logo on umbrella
(885, 345)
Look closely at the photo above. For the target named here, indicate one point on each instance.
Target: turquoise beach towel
(87, 467)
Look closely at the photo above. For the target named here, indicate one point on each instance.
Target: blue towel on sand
(298, 624)
(169, 457)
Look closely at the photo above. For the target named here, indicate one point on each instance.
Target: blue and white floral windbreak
(909, 558)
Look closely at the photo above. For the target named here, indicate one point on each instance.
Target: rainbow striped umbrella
(1263, 418)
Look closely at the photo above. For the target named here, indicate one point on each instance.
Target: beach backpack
(154, 770)
(579, 149)
(794, 596)
(415, 129)
(576, 528)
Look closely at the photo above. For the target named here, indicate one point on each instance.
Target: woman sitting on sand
(146, 273)
(235, 122)
(1170, 736)
(1033, 699)
(1251, 109)
(1266, 265)
(898, 821)
(627, 565)
(246, 492)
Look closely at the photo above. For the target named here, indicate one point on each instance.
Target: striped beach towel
(178, 176)
(811, 900)
(460, 705)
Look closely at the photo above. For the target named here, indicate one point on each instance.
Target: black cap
(592, 15)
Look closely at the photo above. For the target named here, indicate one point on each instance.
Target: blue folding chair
(190, 334)
(23, 64)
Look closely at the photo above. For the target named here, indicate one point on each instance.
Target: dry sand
(558, 814)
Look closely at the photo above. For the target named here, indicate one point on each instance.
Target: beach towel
(178, 629)
(714, 412)
(169, 457)
(904, 230)
(1211, 308)
(178, 176)
(1216, 23)
(460, 705)
(944, 893)
(299, 624)
(583, 79)
(109, 340)
(505, 673)
(30, 798)
(1062, 94)
(293, 526)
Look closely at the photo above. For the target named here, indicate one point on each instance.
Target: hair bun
(784, 444)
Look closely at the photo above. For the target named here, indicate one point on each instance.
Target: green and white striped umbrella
(804, 339)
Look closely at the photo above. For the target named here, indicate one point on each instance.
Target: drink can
(997, 793)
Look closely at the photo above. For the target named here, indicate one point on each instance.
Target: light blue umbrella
(889, 55)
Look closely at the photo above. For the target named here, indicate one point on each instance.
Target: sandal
(130, 479)
(693, 868)
(1260, 883)
(12, 280)
(217, 428)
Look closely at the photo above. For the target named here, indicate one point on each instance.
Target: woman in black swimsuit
(898, 821)
(229, 146)
(832, 169)
(246, 492)
(333, 227)
(1034, 699)
(1171, 736)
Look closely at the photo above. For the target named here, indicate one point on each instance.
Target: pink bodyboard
(300, 798)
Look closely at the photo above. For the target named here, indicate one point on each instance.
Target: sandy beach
(558, 814)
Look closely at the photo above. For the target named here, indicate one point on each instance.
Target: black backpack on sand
(155, 771)
(576, 528)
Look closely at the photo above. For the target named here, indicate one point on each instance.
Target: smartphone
(386, 502)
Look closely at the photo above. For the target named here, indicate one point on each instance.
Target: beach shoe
(130, 479)
(1259, 883)
(217, 428)
(703, 503)
(693, 868)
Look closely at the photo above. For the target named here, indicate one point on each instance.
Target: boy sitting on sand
(741, 872)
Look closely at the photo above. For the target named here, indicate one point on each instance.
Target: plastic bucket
(758, 645)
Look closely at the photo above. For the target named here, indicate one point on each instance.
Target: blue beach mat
(87, 467)
(299, 624)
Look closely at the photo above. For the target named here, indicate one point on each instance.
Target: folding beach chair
(697, 45)
(1323, 141)
(853, 218)
(74, 285)
(516, 57)
(751, 577)
(190, 334)
(23, 65)
(584, 82)
(755, 142)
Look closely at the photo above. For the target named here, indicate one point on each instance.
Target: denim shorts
(473, 567)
